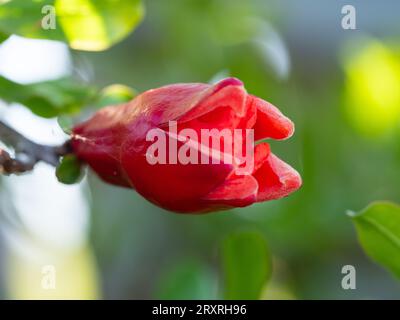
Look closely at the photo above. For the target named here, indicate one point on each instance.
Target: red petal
(261, 154)
(271, 123)
(176, 187)
(108, 169)
(240, 190)
(168, 102)
(237, 191)
(227, 93)
(249, 120)
(276, 179)
(97, 142)
(227, 82)
(219, 118)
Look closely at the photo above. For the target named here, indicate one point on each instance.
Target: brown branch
(27, 152)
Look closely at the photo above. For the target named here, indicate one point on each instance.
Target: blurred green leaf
(84, 24)
(25, 18)
(3, 37)
(66, 124)
(378, 228)
(231, 23)
(48, 99)
(190, 279)
(115, 94)
(277, 291)
(69, 171)
(247, 265)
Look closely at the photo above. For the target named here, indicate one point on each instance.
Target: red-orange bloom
(113, 143)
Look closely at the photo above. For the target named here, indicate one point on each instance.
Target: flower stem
(27, 152)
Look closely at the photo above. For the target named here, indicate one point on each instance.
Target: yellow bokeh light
(55, 274)
(373, 89)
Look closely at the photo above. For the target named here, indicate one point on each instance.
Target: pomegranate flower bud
(190, 147)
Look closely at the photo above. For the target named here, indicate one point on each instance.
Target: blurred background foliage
(340, 87)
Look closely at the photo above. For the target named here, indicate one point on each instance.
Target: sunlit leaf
(115, 94)
(85, 24)
(50, 98)
(378, 229)
(246, 265)
(97, 25)
(372, 89)
(70, 170)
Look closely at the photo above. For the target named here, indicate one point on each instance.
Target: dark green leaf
(84, 24)
(378, 229)
(3, 37)
(246, 265)
(70, 170)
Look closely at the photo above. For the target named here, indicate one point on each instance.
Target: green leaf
(48, 99)
(189, 279)
(91, 25)
(3, 37)
(25, 18)
(246, 265)
(115, 94)
(70, 170)
(378, 229)
(66, 123)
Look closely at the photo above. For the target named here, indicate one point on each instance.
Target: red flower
(114, 142)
